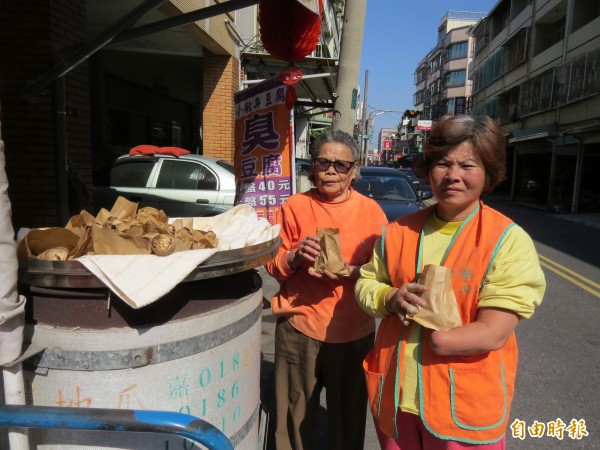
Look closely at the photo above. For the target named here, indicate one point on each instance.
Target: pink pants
(412, 435)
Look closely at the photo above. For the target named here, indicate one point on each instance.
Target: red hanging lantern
(290, 76)
(290, 29)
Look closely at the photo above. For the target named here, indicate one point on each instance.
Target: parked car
(419, 183)
(187, 186)
(391, 189)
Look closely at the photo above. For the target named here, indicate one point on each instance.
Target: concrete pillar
(348, 71)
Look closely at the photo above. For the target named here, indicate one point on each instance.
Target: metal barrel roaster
(196, 350)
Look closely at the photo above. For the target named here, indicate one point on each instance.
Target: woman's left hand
(306, 253)
(405, 300)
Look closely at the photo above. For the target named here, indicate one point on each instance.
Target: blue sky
(397, 35)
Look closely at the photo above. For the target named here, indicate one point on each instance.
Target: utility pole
(348, 69)
(365, 125)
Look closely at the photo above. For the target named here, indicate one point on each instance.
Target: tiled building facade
(442, 84)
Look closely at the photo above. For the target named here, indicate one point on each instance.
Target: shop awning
(528, 134)
(315, 90)
(123, 30)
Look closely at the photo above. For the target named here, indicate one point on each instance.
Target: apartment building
(442, 82)
(535, 69)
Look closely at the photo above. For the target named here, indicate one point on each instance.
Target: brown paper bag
(330, 258)
(441, 312)
(39, 240)
(107, 241)
(123, 209)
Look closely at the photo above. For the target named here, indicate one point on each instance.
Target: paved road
(559, 363)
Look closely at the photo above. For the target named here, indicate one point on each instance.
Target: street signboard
(424, 124)
(460, 105)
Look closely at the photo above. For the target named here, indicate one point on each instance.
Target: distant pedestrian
(449, 390)
(322, 335)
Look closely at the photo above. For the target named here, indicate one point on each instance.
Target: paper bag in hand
(441, 312)
(330, 257)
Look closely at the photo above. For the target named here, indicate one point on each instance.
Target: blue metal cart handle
(184, 425)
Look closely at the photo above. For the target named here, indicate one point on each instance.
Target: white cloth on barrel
(142, 279)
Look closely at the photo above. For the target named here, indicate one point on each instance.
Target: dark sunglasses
(340, 166)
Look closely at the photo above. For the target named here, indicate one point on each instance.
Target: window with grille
(516, 49)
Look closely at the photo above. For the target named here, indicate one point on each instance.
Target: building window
(481, 33)
(536, 94)
(456, 78)
(419, 97)
(436, 62)
(490, 108)
(584, 12)
(509, 106)
(518, 6)
(592, 73)
(549, 34)
(492, 69)
(458, 50)
(434, 87)
(577, 79)
(499, 19)
(516, 49)
(561, 84)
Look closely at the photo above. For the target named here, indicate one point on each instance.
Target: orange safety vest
(462, 398)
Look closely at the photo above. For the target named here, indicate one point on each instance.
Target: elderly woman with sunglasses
(322, 334)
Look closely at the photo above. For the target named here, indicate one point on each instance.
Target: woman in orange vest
(452, 389)
(322, 335)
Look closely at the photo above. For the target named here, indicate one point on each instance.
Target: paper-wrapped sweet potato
(54, 254)
(162, 244)
(37, 241)
(204, 239)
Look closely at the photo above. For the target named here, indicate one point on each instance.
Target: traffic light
(410, 113)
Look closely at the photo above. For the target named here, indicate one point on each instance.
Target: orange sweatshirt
(325, 310)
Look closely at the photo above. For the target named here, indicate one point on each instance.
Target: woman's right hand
(307, 252)
(405, 300)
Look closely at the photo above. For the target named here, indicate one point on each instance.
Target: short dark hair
(484, 135)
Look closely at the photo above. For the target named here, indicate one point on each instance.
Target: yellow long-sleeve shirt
(515, 283)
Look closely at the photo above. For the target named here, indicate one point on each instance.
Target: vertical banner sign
(460, 104)
(263, 147)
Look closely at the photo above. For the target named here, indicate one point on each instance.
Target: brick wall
(221, 81)
(33, 35)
